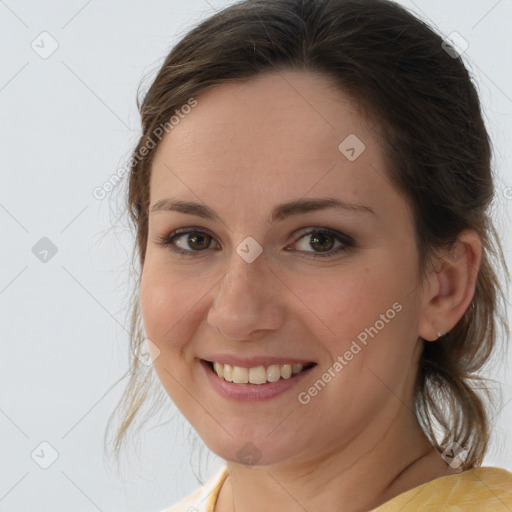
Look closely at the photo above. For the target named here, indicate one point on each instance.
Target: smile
(257, 374)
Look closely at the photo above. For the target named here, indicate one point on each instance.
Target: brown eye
(186, 241)
(323, 242)
(197, 240)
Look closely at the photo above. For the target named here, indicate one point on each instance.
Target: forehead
(273, 137)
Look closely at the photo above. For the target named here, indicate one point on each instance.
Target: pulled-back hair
(436, 148)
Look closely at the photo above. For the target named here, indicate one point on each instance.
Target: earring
(439, 334)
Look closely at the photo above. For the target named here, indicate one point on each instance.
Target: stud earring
(439, 334)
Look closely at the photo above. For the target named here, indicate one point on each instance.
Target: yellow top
(484, 489)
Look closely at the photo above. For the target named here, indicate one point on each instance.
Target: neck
(358, 476)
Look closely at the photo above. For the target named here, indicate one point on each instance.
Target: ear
(451, 286)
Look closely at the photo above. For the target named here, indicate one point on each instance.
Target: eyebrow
(280, 212)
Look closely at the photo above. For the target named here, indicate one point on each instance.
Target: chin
(253, 451)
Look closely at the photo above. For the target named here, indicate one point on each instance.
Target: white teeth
(258, 374)
(286, 371)
(219, 369)
(227, 373)
(273, 373)
(240, 375)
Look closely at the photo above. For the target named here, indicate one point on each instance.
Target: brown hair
(437, 153)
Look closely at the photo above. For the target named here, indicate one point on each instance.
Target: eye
(323, 240)
(187, 241)
(182, 240)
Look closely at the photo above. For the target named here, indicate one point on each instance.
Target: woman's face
(262, 286)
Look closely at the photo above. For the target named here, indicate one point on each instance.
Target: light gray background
(67, 124)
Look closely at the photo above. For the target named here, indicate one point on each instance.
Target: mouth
(259, 375)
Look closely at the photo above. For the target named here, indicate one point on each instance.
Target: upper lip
(251, 362)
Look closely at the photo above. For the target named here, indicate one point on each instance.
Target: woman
(318, 286)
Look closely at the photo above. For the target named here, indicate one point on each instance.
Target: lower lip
(251, 392)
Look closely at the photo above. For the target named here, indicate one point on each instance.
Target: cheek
(169, 312)
(347, 301)
(166, 307)
(370, 306)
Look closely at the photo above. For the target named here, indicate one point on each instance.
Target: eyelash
(347, 242)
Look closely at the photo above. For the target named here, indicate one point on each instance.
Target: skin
(243, 149)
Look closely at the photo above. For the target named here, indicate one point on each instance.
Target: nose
(246, 305)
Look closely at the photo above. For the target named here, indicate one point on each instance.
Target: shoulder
(475, 490)
(204, 498)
